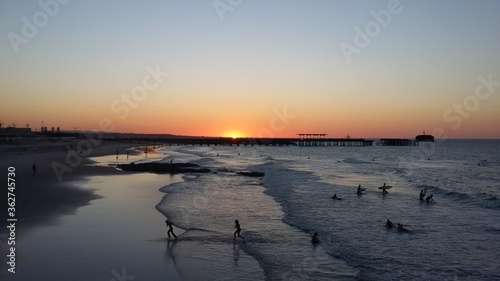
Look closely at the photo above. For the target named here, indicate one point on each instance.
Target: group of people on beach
(169, 224)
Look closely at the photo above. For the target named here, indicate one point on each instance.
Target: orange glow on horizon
(234, 134)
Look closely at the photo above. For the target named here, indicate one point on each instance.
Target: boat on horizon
(424, 137)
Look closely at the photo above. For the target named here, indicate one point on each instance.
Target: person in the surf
(401, 228)
(384, 191)
(238, 230)
(422, 195)
(336, 197)
(389, 224)
(315, 238)
(429, 199)
(359, 190)
(170, 229)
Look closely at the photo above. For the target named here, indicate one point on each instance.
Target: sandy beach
(64, 232)
(42, 197)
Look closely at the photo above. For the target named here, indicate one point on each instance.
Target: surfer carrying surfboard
(384, 188)
(422, 193)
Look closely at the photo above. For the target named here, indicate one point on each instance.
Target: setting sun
(234, 134)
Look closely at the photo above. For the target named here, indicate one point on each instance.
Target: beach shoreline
(42, 197)
(45, 204)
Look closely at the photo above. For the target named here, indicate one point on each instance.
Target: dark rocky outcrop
(163, 168)
(250, 174)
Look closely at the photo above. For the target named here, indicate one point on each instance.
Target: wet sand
(98, 223)
(42, 197)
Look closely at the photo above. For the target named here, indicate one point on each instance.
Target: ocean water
(455, 238)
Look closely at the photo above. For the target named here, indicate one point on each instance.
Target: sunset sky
(254, 68)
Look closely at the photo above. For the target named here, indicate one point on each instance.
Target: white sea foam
(455, 237)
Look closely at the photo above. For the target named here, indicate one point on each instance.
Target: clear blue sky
(229, 72)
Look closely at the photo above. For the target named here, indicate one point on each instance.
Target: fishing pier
(322, 140)
(306, 140)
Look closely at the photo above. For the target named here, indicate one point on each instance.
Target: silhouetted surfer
(238, 230)
(315, 238)
(401, 228)
(429, 199)
(335, 197)
(359, 190)
(422, 195)
(389, 224)
(170, 229)
(384, 191)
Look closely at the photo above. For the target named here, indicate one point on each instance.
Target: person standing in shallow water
(315, 238)
(170, 229)
(359, 190)
(238, 230)
(34, 169)
(389, 224)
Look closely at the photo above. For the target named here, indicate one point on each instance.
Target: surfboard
(385, 187)
(425, 190)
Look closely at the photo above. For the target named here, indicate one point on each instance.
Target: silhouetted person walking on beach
(238, 230)
(34, 169)
(170, 229)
